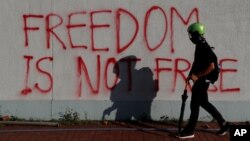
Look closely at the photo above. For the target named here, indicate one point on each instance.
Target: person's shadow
(132, 96)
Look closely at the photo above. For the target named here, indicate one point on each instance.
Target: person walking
(205, 70)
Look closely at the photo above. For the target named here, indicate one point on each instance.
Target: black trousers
(200, 98)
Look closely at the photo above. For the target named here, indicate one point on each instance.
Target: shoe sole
(223, 134)
(186, 137)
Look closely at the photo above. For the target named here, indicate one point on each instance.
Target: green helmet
(196, 27)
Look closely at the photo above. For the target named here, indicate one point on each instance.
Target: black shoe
(223, 129)
(185, 135)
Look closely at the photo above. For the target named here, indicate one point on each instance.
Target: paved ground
(115, 131)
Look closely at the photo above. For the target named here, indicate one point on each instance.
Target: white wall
(46, 31)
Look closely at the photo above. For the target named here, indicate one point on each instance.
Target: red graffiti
(118, 15)
(177, 67)
(106, 77)
(179, 71)
(26, 28)
(71, 26)
(40, 70)
(118, 20)
(173, 68)
(160, 69)
(94, 27)
(227, 71)
(50, 29)
(81, 66)
(146, 27)
(28, 88)
(186, 22)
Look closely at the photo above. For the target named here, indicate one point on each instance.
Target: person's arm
(191, 72)
(209, 69)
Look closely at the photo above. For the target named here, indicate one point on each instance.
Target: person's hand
(194, 78)
(188, 79)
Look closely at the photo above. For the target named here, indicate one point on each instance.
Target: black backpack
(214, 75)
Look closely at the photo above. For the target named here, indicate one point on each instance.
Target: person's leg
(199, 91)
(193, 116)
(188, 131)
(213, 111)
(224, 126)
(194, 106)
(208, 106)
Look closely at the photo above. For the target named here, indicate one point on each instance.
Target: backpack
(214, 75)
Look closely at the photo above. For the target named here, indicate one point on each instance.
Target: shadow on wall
(132, 96)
